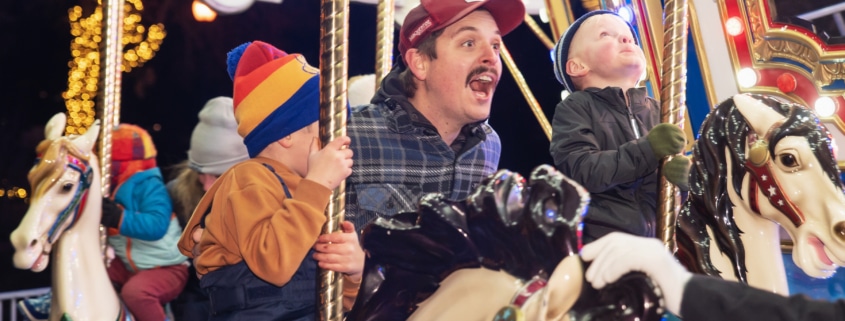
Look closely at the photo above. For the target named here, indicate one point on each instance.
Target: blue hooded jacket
(148, 230)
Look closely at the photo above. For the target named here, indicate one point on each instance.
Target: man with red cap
(425, 130)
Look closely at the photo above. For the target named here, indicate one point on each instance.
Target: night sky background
(165, 95)
(190, 68)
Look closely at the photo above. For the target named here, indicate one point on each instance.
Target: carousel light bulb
(733, 26)
(230, 6)
(544, 15)
(626, 13)
(202, 12)
(825, 106)
(746, 78)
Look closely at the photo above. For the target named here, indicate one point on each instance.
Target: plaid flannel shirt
(397, 160)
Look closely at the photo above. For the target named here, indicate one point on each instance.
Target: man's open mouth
(482, 85)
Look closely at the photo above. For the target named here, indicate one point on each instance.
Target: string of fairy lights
(140, 44)
(14, 192)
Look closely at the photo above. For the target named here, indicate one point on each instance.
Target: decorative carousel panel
(792, 49)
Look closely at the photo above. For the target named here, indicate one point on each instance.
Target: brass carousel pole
(673, 104)
(529, 97)
(334, 32)
(535, 28)
(560, 16)
(111, 47)
(384, 39)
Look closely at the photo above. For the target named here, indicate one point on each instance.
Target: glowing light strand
(140, 45)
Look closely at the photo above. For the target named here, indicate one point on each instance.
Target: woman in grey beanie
(215, 146)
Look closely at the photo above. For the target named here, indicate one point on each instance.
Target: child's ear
(575, 68)
(417, 63)
(286, 141)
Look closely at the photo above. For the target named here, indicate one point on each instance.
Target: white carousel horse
(62, 225)
(759, 163)
(508, 252)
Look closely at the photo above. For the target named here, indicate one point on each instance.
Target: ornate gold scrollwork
(829, 72)
(768, 45)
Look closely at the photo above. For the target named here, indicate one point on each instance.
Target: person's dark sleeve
(709, 298)
(577, 153)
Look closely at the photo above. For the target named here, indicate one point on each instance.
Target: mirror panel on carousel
(794, 50)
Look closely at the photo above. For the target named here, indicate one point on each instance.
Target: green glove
(676, 171)
(666, 139)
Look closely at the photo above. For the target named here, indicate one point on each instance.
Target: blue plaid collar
(404, 117)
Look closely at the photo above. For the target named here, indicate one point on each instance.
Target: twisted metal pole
(673, 104)
(529, 21)
(111, 50)
(334, 32)
(560, 16)
(384, 39)
(526, 91)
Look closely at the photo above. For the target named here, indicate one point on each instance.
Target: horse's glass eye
(788, 160)
(66, 187)
(550, 210)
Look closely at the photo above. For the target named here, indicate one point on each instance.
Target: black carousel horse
(507, 225)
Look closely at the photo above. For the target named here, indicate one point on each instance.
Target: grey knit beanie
(215, 142)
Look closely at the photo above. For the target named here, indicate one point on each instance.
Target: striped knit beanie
(275, 93)
(561, 50)
(132, 151)
(130, 142)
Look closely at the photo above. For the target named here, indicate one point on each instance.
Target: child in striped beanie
(142, 229)
(255, 228)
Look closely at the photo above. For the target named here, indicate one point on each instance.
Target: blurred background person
(215, 146)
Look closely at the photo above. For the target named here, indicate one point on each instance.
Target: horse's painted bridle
(759, 164)
(71, 211)
(527, 290)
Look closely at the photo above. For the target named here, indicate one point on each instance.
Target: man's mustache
(479, 70)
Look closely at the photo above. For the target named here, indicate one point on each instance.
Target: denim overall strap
(285, 186)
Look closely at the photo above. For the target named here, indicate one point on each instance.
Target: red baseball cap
(433, 15)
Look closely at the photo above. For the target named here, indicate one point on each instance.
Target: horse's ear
(86, 141)
(55, 126)
(758, 115)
